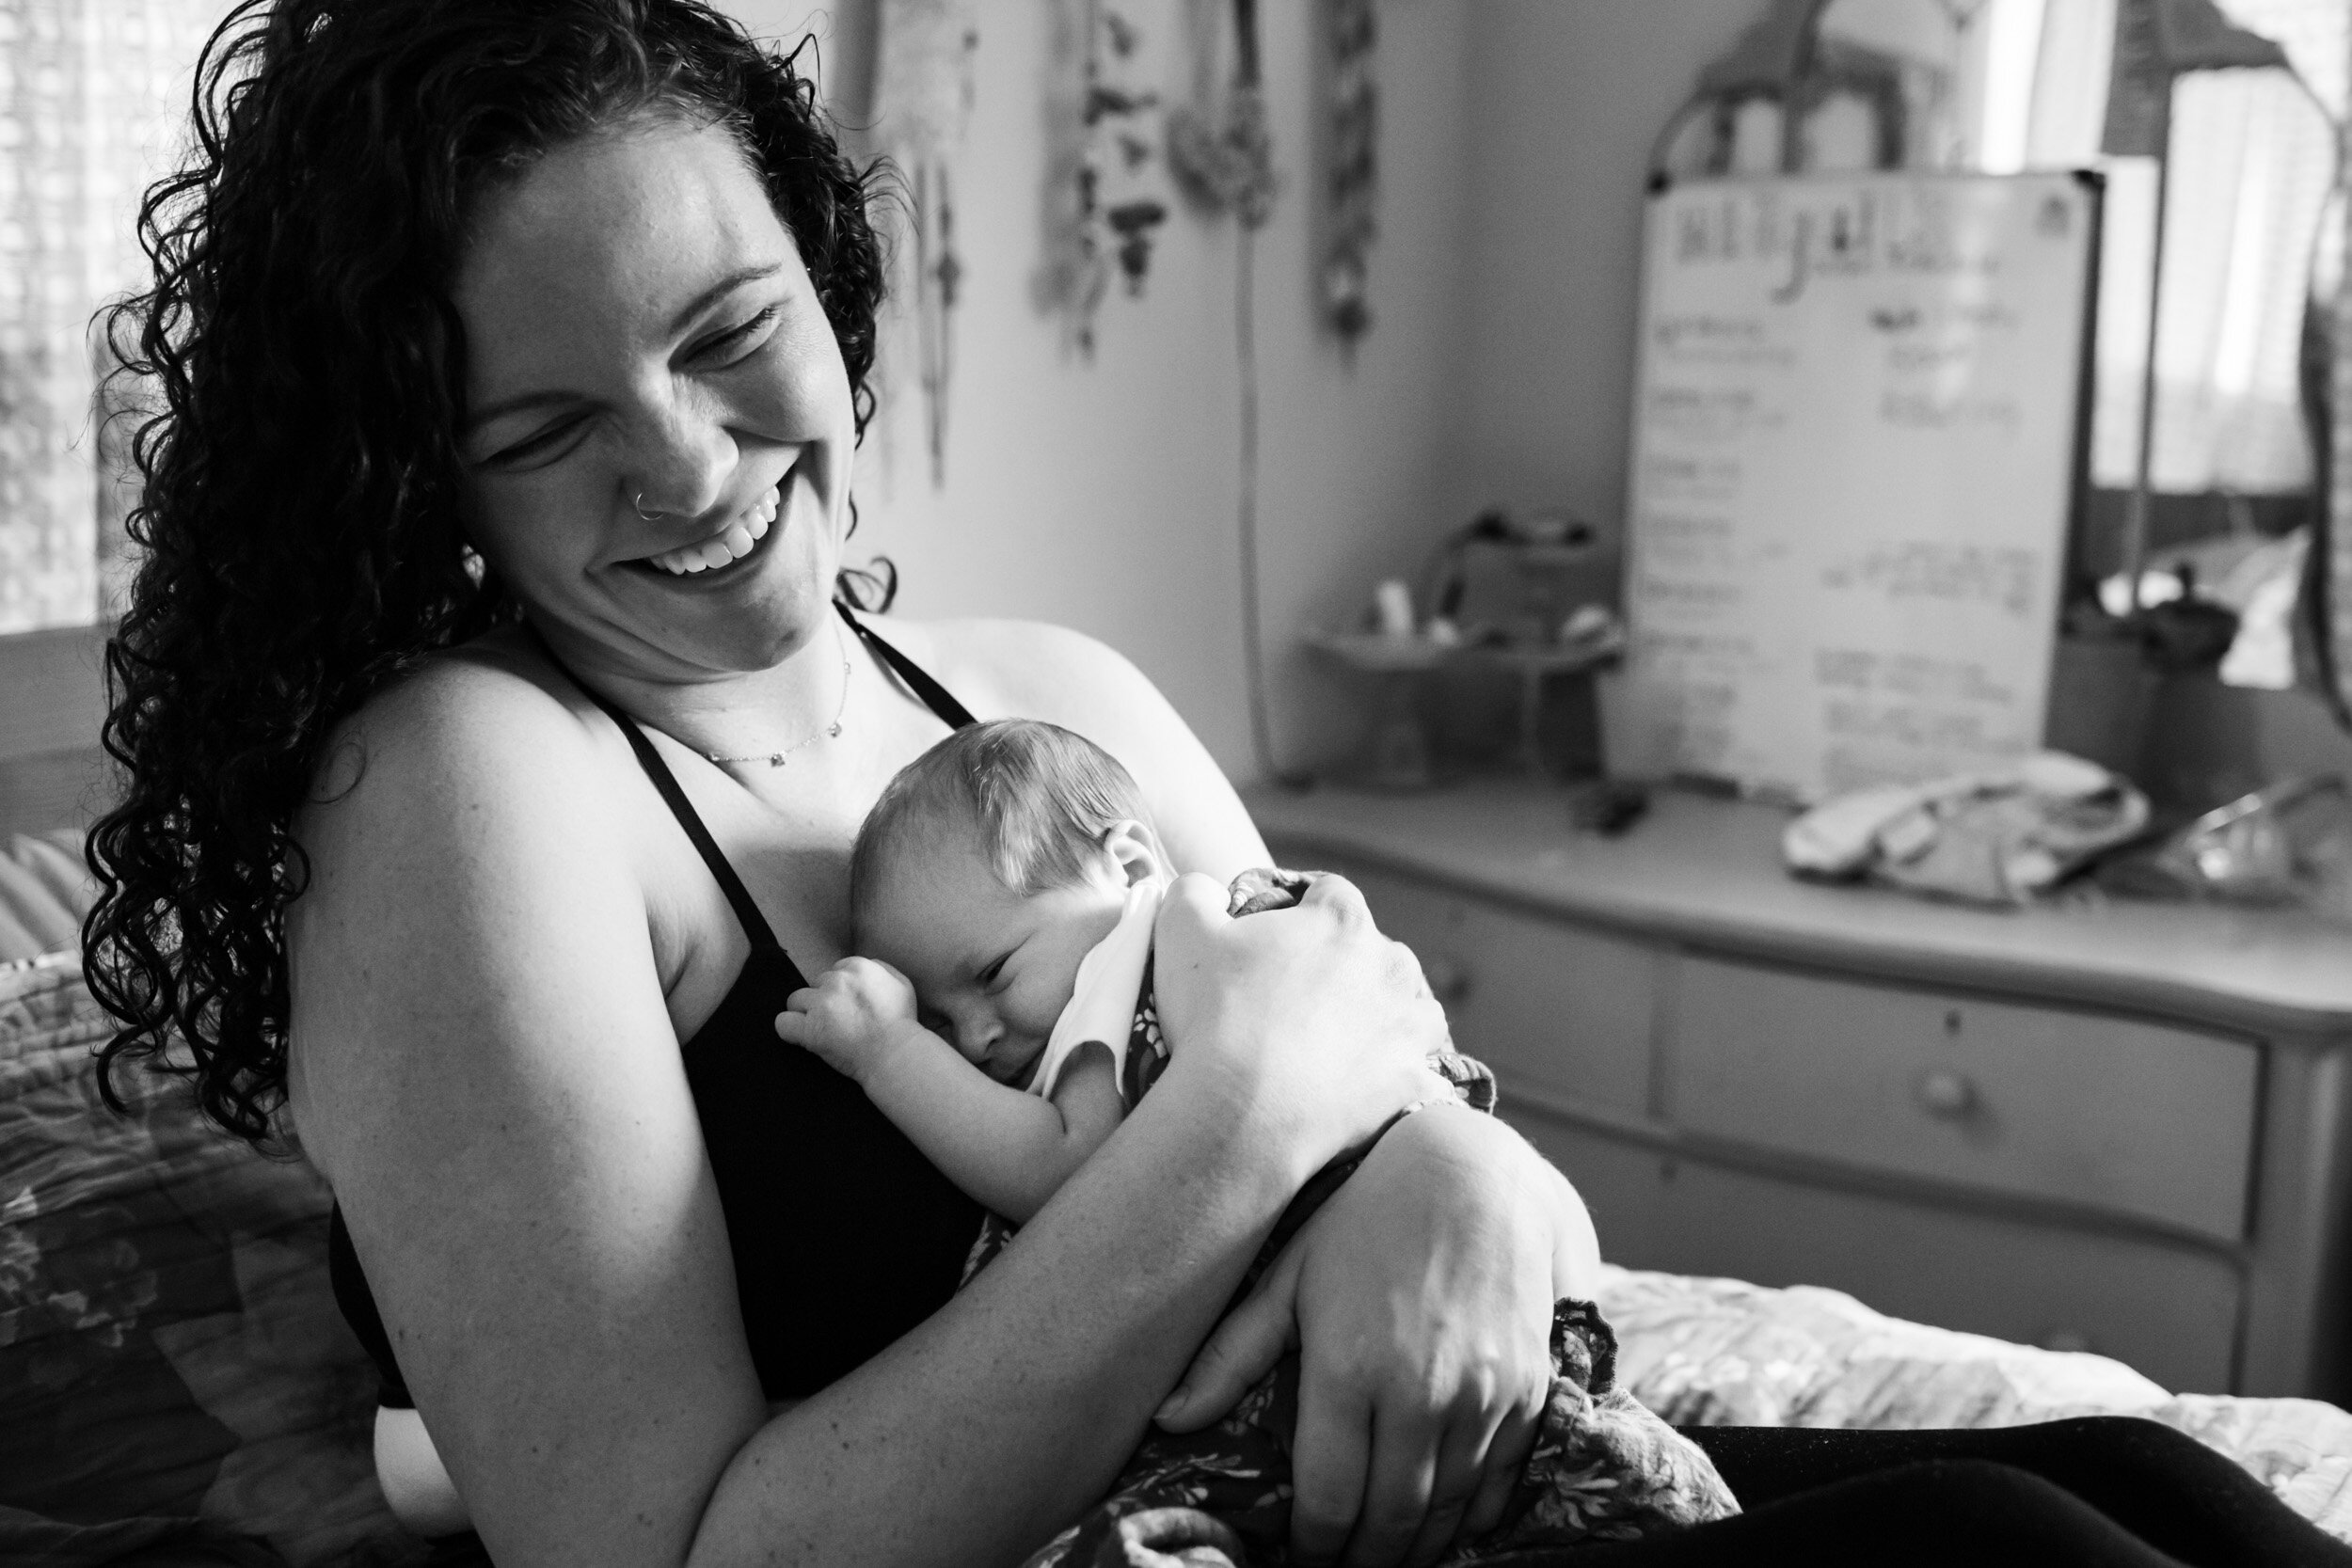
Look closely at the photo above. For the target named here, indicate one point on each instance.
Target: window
(93, 96)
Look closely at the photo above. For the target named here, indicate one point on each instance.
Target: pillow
(56, 861)
(174, 1375)
(32, 908)
(17, 944)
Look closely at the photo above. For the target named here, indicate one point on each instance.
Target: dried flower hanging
(1220, 153)
(1102, 206)
(1351, 174)
(923, 95)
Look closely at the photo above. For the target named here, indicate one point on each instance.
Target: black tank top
(844, 1236)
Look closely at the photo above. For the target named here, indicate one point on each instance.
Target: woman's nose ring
(639, 502)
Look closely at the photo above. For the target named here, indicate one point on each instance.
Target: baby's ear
(1135, 848)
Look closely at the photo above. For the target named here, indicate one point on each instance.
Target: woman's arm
(1490, 1234)
(484, 1071)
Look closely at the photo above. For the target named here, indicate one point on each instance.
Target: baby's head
(988, 868)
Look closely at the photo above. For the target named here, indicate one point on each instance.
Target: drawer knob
(1945, 1094)
(1448, 979)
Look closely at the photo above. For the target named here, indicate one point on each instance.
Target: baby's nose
(976, 1032)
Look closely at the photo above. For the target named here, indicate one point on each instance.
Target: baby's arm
(1009, 1149)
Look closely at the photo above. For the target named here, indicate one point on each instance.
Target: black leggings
(2103, 1492)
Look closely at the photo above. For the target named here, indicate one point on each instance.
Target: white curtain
(92, 93)
(2251, 157)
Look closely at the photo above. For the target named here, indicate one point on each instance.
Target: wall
(1102, 495)
(1570, 94)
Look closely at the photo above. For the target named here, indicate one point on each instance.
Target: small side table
(1399, 760)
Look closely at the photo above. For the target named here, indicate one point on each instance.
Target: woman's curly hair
(300, 514)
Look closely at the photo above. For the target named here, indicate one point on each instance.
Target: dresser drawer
(2132, 1117)
(2169, 1313)
(1548, 1006)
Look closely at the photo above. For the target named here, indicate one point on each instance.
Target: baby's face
(991, 968)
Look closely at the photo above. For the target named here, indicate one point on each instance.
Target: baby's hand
(851, 1016)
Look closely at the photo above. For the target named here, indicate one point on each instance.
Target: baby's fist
(849, 1015)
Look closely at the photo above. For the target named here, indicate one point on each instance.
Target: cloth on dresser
(1998, 837)
(1603, 1467)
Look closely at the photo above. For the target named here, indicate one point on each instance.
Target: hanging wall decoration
(1218, 145)
(2332, 561)
(1103, 202)
(1352, 111)
(922, 104)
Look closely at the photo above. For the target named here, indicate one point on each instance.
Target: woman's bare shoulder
(471, 771)
(462, 853)
(1001, 667)
(1031, 669)
(489, 718)
(475, 692)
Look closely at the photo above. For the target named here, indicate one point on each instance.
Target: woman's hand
(1422, 1296)
(1309, 1009)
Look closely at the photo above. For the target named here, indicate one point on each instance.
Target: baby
(1005, 886)
(1002, 890)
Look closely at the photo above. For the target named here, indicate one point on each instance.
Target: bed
(174, 1379)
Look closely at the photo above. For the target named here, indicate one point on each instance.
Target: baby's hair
(1039, 797)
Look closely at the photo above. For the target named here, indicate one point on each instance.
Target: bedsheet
(1724, 1353)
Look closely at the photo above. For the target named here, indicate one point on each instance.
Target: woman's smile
(733, 544)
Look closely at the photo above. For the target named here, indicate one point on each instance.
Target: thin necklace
(775, 759)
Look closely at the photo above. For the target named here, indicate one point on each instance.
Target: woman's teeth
(730, 546)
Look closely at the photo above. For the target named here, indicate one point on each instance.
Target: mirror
(2217, 124)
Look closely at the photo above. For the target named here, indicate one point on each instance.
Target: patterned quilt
(1722, 1352)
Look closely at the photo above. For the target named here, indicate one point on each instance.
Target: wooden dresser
(2115, 1126)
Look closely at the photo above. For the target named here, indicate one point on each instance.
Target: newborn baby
(1003, 893)
(1005, 869)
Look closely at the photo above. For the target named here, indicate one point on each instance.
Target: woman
(495, 749)
(578, 299)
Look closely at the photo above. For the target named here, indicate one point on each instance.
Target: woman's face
(639, 324)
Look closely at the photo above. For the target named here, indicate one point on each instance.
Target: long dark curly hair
(300, 514)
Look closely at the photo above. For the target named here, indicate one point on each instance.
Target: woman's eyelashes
(722, 351)
(544, 445)
(738, 343)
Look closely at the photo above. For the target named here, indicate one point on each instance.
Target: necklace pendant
(832, 731)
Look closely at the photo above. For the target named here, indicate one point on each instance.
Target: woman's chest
(789, 876)
(740, 854)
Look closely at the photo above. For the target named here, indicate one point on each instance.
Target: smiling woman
(497, 735)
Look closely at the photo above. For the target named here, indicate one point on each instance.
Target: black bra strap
(756, 924)
(935, 696)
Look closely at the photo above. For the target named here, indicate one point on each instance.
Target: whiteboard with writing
(1855, 437)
